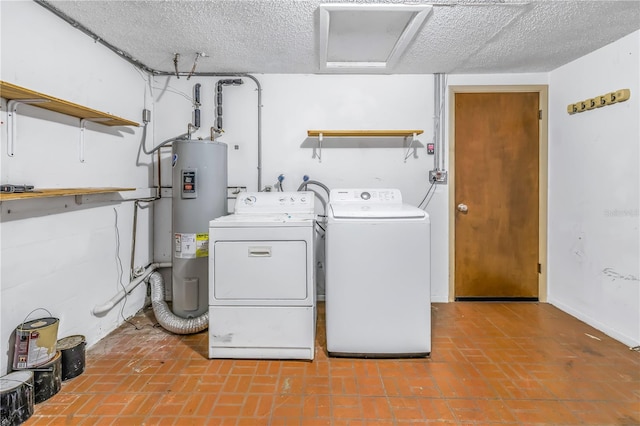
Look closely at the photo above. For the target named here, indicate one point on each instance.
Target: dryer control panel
(275, 202)
(365, 196)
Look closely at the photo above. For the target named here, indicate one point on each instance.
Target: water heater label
(191, 246)
(189, 188)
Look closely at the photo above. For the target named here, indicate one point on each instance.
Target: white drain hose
(167, 319)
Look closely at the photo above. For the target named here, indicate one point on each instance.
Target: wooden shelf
(12, 92)
(321, 134)
(363, 133)
(58, 192)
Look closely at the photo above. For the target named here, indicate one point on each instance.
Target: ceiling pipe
(124, 55)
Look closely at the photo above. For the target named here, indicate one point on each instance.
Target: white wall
(594, 180)
(293, 104)
(55, 253)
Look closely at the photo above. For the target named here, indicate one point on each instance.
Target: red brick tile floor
(491, 363)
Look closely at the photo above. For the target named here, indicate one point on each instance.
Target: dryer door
(260, 270)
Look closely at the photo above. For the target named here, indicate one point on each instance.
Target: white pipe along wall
(102, 309)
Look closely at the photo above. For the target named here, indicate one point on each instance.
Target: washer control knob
(250, 200)
(365, 195)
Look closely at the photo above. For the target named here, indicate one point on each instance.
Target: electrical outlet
(438, 176)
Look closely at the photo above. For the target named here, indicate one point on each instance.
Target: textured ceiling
(281, 36)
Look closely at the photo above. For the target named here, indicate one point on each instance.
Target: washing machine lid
(263, 220)
(376, 211)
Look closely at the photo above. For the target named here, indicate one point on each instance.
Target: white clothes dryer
(378, 292)
(262, 298)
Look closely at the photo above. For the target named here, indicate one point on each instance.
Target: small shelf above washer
(361, 133)
(404, 133)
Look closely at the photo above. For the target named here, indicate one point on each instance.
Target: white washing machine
(378, 290)
(261, 277)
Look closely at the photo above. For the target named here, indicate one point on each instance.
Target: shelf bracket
(319, 154)
(82, 126)
(407, 154)
(12, 110)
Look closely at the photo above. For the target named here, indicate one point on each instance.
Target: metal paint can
(16, 398)
(47, 379)
(35, 342)
(72, 350)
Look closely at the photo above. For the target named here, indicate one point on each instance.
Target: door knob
(463, 208)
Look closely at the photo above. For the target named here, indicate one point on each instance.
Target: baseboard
(496, 299)
(614, 334)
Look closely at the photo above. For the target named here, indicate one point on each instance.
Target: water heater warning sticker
(202, 245)
(191, 246)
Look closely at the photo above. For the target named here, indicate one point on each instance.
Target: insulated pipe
(219, 84)
(259, 88)
(196, 112)
(167, 319)
(219, 105)
(99, 310)
(196, 118)
(197, 94)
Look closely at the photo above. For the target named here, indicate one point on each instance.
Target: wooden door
(496, 178)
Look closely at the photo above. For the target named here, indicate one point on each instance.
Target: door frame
(543, 149)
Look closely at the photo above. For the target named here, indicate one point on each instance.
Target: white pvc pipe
(99, 310)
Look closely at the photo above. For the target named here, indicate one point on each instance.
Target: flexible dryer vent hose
(167, 319)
